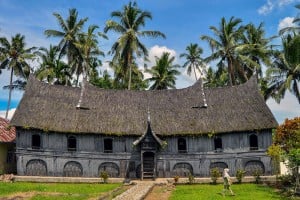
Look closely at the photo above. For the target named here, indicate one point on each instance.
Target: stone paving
(137, 192)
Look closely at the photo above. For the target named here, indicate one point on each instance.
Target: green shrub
(104, 175)
(191, 178)
(214, 175)
(239, 175)
(257, 173)
(176, 178)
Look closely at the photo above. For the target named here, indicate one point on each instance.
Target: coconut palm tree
(70, 29)
(163, 73)
(224, 45)
(254, 50)
(193, 59)
(88, 47)
(15, 58)
(212, 79)
(52, 69)
(284, 73)
(137, 77)
(129, 23)
(103, 82)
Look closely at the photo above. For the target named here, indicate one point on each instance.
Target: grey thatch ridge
(117, 112)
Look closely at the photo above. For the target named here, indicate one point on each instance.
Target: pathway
(138, 191)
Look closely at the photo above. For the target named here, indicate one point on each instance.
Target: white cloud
(158, 51)
(286, 22)
(10, 113)
(288, 107)
(266, 8)
(284, 2)
(270, 5)
(155, 51)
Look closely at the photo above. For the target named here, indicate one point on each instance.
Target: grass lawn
(54, 191)
(213, 192)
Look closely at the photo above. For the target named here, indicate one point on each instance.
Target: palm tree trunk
(10, 91)
(130, 69)
(195, 72)
(230, 72)
(77, 79)
(82, 89)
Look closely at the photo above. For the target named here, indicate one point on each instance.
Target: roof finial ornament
(148, 112)
(202, 90)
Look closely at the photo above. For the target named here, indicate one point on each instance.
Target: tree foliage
(163, 73)
(287, 135)
(286, 143)
(15, 57)
(129, 23)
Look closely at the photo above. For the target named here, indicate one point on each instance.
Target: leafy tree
(224, 45)
(15, 58)
(138, 82)
(129, 23)
(254, 50)
(287, 135)
(284, 72)
(52, 69)
(69, 31)
(105, 81)
(88, 48)
(87, 45)
(163, 73)
(216, 78)
(193, 59)
(287, 139)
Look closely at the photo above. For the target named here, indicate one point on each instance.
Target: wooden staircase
(148, 171)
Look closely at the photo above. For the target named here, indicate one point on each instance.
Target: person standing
(227, 182)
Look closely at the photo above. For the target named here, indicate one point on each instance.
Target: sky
(182, 21)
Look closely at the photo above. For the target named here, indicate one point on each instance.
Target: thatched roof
(178, 111)
(7, 133)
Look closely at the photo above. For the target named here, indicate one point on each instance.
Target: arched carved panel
(219, 165)
(111, 168)
(182, 169)
(36, 168)
(254, 166)
(73, 169)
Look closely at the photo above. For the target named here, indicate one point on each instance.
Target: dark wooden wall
(54, 159)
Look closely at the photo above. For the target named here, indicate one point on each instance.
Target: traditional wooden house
(7, 147)
(139, 134)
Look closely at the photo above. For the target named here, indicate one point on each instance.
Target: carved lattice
(254, 166)
(73, 169)
(219, 165)
(111, 168)
(36, 168)
(182, 169)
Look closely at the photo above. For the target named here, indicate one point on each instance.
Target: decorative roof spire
(149, 118)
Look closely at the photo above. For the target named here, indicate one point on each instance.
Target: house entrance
(148, 164)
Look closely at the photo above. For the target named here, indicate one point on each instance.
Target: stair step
(148, 176)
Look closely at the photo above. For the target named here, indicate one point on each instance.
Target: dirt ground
(160, 192)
